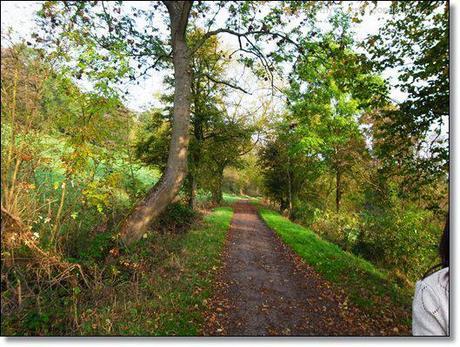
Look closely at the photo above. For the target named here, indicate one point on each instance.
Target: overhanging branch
(227, 83)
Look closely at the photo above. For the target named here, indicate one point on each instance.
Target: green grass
(230, 198)
(158, 288)
(367, 286)
(171, 296)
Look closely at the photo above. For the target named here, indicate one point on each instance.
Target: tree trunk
(217, 195)
(217, 191)
(192, 192)
(167, 188)
(289, 187)
(338, 187)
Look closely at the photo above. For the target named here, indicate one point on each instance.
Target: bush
(400, 238)
(305, 212)
(176, 219)
(341, 228)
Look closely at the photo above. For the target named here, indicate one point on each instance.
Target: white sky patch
(19, 15)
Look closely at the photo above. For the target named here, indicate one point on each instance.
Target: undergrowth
(159, 288)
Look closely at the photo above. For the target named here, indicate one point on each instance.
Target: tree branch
(229, 84)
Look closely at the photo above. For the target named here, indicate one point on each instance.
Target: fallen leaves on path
(264, 288)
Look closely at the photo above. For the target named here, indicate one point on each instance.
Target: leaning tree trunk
(166, 189)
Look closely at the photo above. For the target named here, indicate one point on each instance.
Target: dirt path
(265, 289)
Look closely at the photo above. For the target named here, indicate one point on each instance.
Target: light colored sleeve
(426, 312)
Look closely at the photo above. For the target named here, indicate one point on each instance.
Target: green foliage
(67, 180)
(414, 41)
(97, 247)
(153, 139)
(400, 238)
(284, 167)
(361, 170)
(175, 282)
(218, 139)
(36, 322)
(341, 228)
(327, 101)
(244, 179)
(341, 152)
(176, 219)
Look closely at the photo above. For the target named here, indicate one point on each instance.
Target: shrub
(341, 228)
(176, 219)
(402, 238)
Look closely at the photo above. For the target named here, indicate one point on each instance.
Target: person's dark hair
(444, 245)
(443, 250)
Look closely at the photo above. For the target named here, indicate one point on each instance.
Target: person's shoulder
(438, 281)
(430, 306)
(433, 291)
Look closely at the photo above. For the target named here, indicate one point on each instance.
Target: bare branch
(242, 34)
(229, 84)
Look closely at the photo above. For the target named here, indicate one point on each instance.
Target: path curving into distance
(264, 289)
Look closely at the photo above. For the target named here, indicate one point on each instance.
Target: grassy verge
(158, 288)
(230, 198)
(367, 286)
(171, 297)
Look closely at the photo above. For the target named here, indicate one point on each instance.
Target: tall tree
(211, 127)
(414, 41)
(328, 100)
(176, 168)
(113, 38)
(230, 140)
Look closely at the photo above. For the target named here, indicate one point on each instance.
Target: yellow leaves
(77, 160)
(114, 179)
(97, 195)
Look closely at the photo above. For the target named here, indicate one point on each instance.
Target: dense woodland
(101, 205)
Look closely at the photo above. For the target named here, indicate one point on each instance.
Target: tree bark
(289, 188)
(158, 198)
(338, 187)
(217, 195)
(192, 192)
(217, 191)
